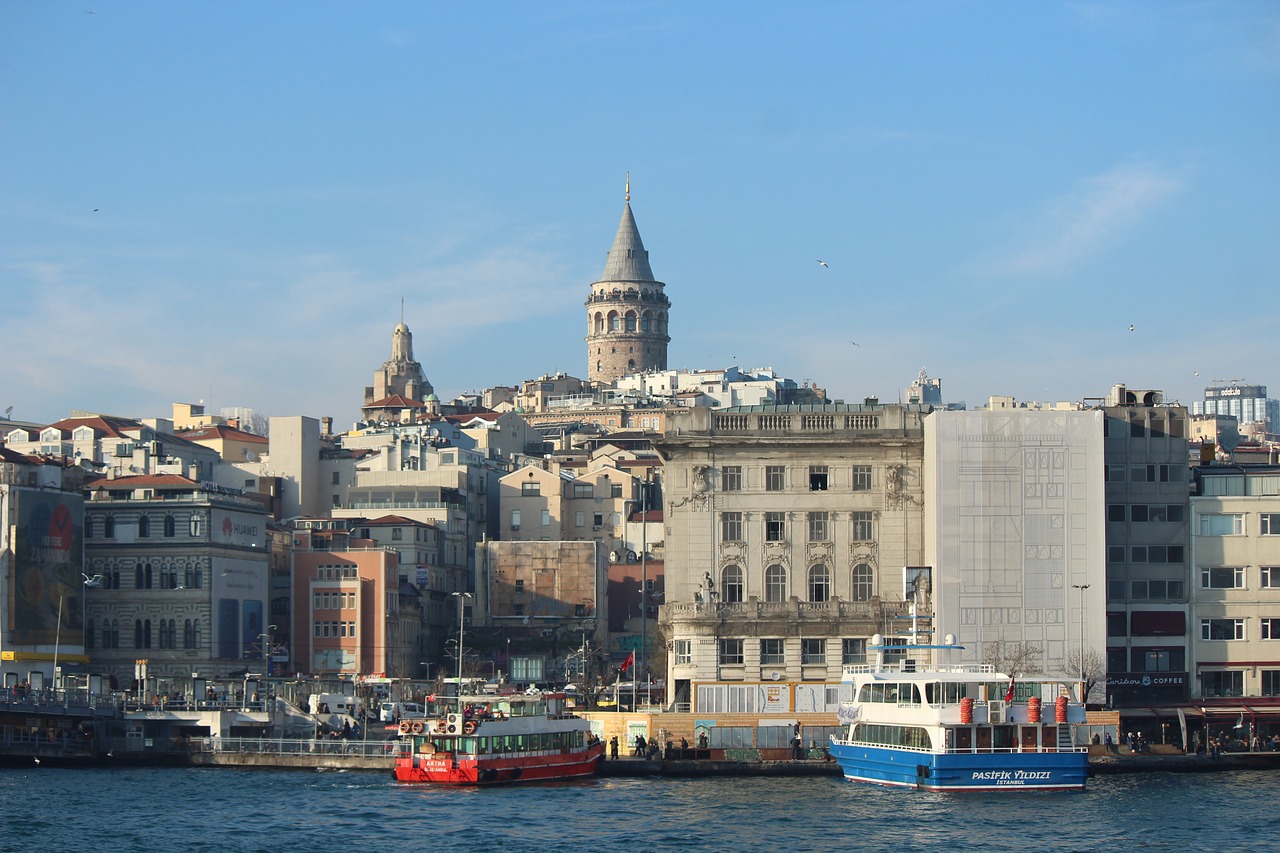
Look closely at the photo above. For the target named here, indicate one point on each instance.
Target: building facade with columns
(788, 532)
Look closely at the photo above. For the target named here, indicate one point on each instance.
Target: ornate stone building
(788, 532)
(400, 375)
(626, 310)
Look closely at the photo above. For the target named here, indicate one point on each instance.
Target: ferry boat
(491, 740)
(958, 728)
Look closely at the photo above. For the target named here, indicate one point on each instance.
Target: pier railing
(301, 746)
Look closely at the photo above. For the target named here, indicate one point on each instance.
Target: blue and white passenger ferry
(958, 728)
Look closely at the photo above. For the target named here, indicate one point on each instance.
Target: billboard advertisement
(48, 558)
(239, 594)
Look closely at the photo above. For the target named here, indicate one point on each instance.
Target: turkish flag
(629, 662)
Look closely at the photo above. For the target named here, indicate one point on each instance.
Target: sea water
(220, 809)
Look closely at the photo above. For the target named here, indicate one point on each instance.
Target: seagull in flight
(855, 343)
(1131, 327)
(823, 264)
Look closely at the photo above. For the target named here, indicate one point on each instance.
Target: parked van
(394, 712)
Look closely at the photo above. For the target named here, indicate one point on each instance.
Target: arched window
(196, 630)
(731, 586)
(775, 583)
(644, 322)
(863, 582)
(88, 634)
(115, 633)
(170, 528)
(144, 526)
(137, 577)
(819, 583)
(88, 528)
(109, 528)
(599, 323)
(188, 635)
(631, 364)
(615, 322)
(631, 322)
(137, 634)
(146, 576)
(195, 524)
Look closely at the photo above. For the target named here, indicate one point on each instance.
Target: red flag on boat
(629, 662)
(1008, 694)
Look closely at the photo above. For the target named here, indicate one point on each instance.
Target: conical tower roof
(628, 259)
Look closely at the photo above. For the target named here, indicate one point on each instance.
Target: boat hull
(1007, 771)
(441, 769)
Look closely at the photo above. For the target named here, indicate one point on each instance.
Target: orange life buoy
(469, 727)
(417, 727)
(404, 727)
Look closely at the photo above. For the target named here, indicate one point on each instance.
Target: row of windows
(775, 478)
(1231, 684)
(166, 634)
(325, 629)
(1233, 577)
(1233, 524)
(169, 527)
(1234, 629)
(338, 572)
(1146, 590)
(148, 576)
(733, 587)
(771, 651)
(1141, 513)
(732, 528)
(1146, 553)
(579, 519)
(334, 600)
(1145, 473)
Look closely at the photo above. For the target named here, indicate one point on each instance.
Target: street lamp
(461, 596)
(265, 636)
(1083, 681)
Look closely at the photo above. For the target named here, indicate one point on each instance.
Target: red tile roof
(222, 431)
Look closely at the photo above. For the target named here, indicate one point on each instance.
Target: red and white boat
(497, 740)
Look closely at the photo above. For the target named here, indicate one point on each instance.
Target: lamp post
(265, 636)
(1083, 681)
(462, 597)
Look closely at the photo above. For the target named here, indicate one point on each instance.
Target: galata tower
(626, 310)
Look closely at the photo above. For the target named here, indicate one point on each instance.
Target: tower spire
(628, 197)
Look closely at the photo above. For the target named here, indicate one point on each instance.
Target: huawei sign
(226, 526)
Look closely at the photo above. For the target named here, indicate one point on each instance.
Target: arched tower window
(631, 321)
(731, 586)
(599, 324)
(863, 582)
(819, 583)
(775, 583)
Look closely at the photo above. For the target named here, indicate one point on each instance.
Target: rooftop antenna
(401, 310)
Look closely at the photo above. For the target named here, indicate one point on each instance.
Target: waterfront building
(1146, 457)
(1235, 593)
(42, 590)
(181, 578)
(788, 531)
(627, 309)
(350, 616)
(543, 599)
(1014, 532)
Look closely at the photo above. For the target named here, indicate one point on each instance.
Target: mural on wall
(48, 558)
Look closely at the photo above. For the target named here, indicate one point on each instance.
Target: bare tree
(1088, 664)
(1011, 658)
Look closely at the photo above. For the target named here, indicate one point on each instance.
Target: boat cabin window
(892, 694)
(944, 693)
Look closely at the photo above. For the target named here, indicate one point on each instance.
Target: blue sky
(226, 201)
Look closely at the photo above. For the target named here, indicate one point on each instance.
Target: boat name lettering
(1011, 777)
